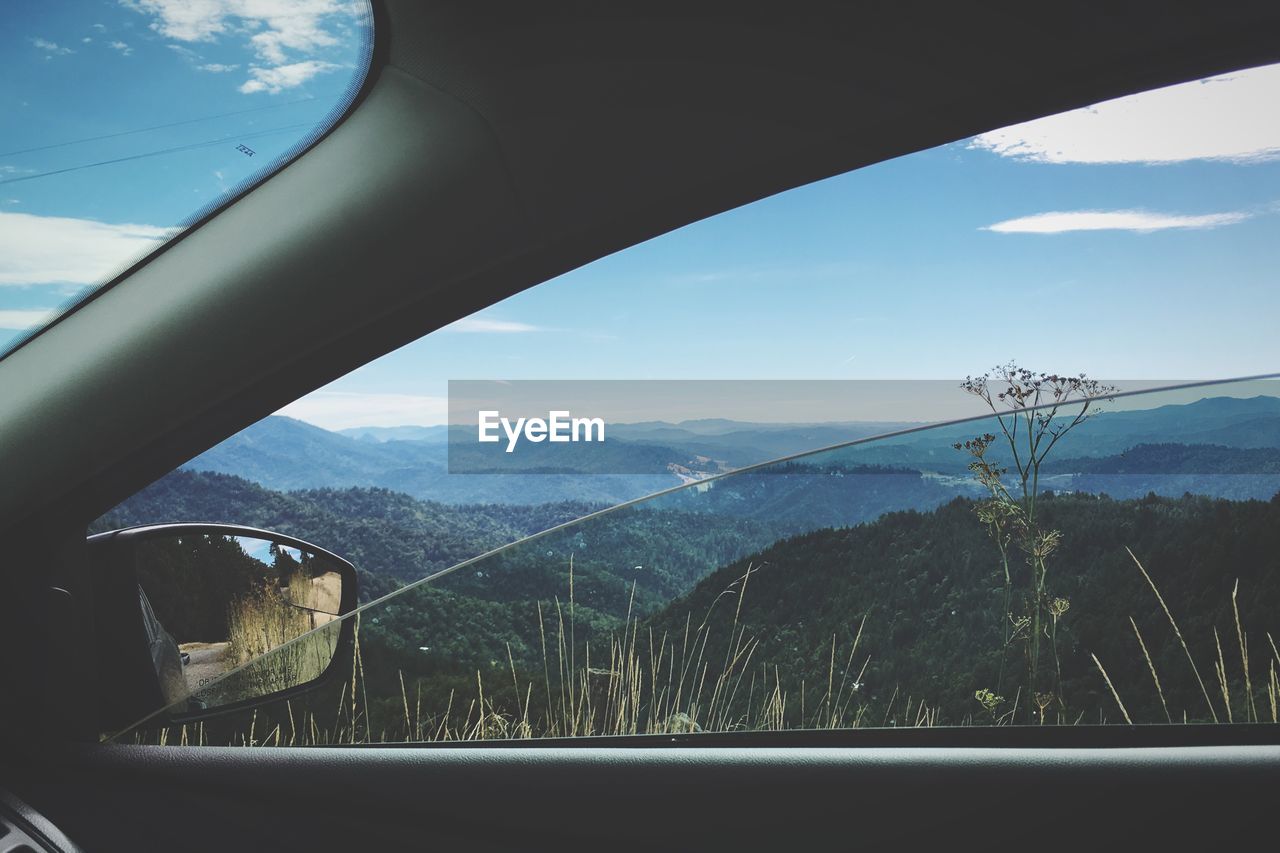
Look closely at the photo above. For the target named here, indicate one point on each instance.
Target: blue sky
(1137, 239)
(257, 73)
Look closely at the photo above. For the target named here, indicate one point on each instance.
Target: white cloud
(278, 25)
(302, 36)
(85, 40)
(202, 20)
(342, 410)
(1059, 222)
(26, 319)
(51, 47)
(274, 80)
(122, 47)
(60, 250)
(482, 325)
(1229, 118)
(284, 35)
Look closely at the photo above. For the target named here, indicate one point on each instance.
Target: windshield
(121, 124)
(1105, 558)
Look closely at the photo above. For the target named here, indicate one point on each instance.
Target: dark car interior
(491, 147)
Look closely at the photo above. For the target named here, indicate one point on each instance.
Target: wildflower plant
(1034, 411)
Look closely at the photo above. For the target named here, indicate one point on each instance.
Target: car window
(1075, 585)
(801, 513)
(122, 124)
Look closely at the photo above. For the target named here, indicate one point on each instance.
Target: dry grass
(1112, 688)
(263, 630)
(1177, 632)
(643, 683)
(1228, 688)
(637, 682)
(1152, 668)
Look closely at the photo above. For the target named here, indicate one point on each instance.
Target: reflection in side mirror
(213, 599)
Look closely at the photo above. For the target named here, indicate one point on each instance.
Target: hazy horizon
(909, 409)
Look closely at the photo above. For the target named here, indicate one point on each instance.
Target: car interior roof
(494, 146)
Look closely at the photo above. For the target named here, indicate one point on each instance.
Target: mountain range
(1223, 436)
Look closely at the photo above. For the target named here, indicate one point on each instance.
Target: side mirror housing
(197, 620)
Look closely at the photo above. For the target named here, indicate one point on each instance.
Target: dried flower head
(989, 701)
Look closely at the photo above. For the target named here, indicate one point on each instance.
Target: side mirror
(197, 620)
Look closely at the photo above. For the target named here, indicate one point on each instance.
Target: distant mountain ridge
(1233, 422)
(286, 454)
(439, 433)
(1169, 458)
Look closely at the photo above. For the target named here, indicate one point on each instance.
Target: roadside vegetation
(1018, 607)
(724, 667)
(267, 618)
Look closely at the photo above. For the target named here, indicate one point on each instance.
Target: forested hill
(930, 586)
(1195, 459)
(393, 539)
(390, 536)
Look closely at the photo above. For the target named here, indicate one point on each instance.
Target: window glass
(980, 586)
(122, 123)
(841, 532)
